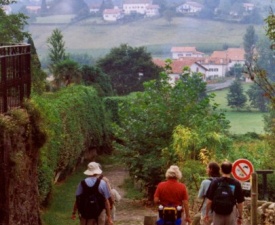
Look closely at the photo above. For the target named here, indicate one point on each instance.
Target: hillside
(94, 38)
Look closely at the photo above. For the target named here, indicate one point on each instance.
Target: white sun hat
(92, 169)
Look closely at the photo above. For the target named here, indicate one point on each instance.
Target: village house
(232, 55)
(112, 15)
(248, 6)
(216, 67)
(189, 7)
(180, 52)
(220, 62)
(178, 65)
(33, 9)
(136, 6)
(152, 11)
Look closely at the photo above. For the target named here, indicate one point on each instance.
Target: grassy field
(242, 121)
(94, 37)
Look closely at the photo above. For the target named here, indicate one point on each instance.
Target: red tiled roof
(230, 53)
(177, 65)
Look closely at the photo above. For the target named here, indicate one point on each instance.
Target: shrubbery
(75, 122)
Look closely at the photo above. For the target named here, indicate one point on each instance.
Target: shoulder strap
(94, 187)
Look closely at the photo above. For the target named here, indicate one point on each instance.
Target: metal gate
(15, 75)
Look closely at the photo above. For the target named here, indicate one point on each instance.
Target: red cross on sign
(242, 169)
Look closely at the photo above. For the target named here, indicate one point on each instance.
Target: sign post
(242, 170)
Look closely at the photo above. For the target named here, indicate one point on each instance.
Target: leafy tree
(44, 9)
(235, 97)
(257, 98)
(249, 42)
(12, 26)
(67, 72)
(266, 57)
(168, 15)
(83, 59)
(56, 46)
(106, 4)
(128, 68)
(150, 118)
(38, 75)
(236, 71)
(95, 77)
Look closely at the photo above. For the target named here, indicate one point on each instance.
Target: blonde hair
(173, 172)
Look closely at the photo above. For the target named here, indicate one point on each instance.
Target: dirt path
(129, 212)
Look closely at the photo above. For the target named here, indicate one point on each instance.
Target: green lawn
(243, 121)
(94, 37)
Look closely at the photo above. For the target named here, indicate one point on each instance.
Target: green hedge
(75, 122)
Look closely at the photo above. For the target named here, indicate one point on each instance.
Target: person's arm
(108, 212)
(156, 200)
(74, 211)
(208, 208)
(240, 212)
(186, 210)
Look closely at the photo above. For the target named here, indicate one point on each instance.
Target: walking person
(213, 171)
(173, 193)
(225, 197)
(100, 196)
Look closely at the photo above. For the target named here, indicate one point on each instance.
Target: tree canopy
(152, 119)
(236, 97)
(12, 26)
(128, 67)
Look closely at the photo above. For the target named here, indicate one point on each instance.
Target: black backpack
(223, 200)
(90, 202)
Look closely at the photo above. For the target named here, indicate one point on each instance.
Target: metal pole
(254, 198)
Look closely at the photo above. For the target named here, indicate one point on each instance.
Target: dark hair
(226, 167)
(214, 169)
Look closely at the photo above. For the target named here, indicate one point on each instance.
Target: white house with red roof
(178, 65)
(189, 7)
(180, 52)
(232, 55)
(112, 15)
(220, 62)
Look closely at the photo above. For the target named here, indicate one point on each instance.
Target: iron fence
(15, 75)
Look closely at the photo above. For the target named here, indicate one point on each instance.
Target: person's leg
(87, 222)
(102, 217)
(232, 218)
(218, 219)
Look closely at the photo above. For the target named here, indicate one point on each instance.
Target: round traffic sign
(242, 169)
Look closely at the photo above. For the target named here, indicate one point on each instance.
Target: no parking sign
(242, 169)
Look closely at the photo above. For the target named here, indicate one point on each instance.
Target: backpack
(90, 202)
(223, 200)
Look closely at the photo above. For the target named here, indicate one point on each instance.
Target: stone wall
(265, 213)
(19, 153)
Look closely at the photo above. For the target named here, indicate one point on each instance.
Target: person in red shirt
(173, 193)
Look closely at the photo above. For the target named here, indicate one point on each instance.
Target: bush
(75, 122)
